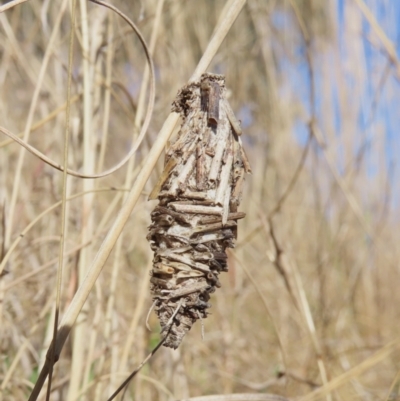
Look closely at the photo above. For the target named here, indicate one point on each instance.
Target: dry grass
(308, 309)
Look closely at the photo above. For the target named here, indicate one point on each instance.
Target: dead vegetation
(308, 308)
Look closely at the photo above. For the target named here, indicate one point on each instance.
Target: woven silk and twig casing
(199, 193)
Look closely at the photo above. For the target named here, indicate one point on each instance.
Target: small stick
(236, 153)
(232, 118)
(207, 238)
(188, 290)
(225, 212)
(181, 238)
(213, 104)
(214, 227)
(203, 256)
(171, 319)
(195, 265)
(202, 324)
(224, 180)
(183, 175)
(181, 142)
(210, 97)
(164, 220)
(167, 252)
(172, 162)
(133, 374)
(148, 315)
(200, 164)
(194, 195)
(189, 274)
(177, 216)
(162, 283)
(179, 266)
(219, 152)
(206, 202)
(216, 219)
(205, 88)
(190, 149)
(237, 190)
(196, 209)
(246, 162)
(162, 269)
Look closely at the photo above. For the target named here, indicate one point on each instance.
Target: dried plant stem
(352, 373)
(300, 302)
(7, 377)
(266, 305)
(11, 4)
(44, 214)
(226, 21)
(239, 397)
(39, 82)
(139, 114)
(131, 334)
(310, 324)
(27, 67)
(99, 318)
(352, 201)
(107, 94)
(94, 269)
(392, 387)
(28, 125)
(143, 130)
(388, 45)
(43, 121)
(81, 333)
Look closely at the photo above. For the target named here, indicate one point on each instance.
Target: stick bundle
(199, 193)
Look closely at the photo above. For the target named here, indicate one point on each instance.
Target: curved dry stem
(43, 214)
(107, 376)
(354, 372)
(107, 94)
(146, 122)
(226, 21)
(128, 182)
(11, 4)
(266, 305)
(387, 43)
(101, 257)
(29, 121)
(64, 199)
(47, 265)
(137, 370)
(43, 121)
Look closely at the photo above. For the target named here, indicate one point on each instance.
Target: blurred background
(310, 301)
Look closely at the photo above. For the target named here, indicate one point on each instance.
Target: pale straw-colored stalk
(97, 320)
(115, 368)
(354, 372)
(142, 294)
(81, 330)
(28, 125)
(101, 257)
(11, 4)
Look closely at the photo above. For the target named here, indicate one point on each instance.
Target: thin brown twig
(63, 229)
(278, 263)
(136, 371)
(279, 204)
